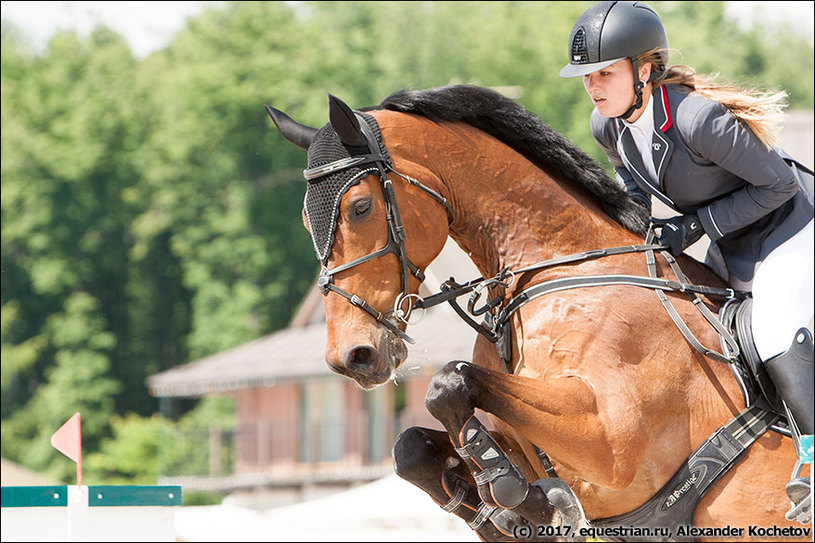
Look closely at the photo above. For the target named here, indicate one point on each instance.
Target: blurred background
(156, 275)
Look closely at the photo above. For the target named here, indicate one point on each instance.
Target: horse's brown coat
(603, 380)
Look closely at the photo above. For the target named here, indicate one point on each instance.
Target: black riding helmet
(612, 31)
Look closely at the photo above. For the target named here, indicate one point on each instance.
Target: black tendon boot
(792, 374)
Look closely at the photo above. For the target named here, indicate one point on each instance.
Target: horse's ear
(299, 134)
(344, 122)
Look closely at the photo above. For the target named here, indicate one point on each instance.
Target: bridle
(377, 163)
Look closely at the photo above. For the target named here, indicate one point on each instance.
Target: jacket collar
(663, 119)
(662, 111)
(661, 146)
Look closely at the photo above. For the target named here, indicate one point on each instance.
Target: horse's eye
(362, 207)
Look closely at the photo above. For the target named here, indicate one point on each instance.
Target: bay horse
(599, 378)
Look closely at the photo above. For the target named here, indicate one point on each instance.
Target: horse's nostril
(360, 358)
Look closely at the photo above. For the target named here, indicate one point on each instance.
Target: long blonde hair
(761, 111)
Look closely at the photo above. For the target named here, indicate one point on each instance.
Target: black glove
(679, 232)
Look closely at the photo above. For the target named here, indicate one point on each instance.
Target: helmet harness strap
(638, 86)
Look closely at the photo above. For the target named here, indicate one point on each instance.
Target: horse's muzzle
(370, 366)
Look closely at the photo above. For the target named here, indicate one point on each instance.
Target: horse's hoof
(410, 454)
(564, 500)
(508, 522)
(446, 396)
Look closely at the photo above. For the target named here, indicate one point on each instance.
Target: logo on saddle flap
(677, 494)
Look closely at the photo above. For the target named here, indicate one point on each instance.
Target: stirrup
(799, 489)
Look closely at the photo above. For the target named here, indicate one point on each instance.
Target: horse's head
(373, 234)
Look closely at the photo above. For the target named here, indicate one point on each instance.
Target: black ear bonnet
(323, 194)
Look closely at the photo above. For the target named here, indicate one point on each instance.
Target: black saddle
(757, 387)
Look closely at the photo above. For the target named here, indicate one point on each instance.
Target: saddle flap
(757, 385)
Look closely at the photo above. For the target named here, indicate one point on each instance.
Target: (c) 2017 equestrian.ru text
(526, 532)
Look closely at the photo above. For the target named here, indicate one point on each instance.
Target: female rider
(705, 150)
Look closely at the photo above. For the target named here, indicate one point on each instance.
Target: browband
(342, 164)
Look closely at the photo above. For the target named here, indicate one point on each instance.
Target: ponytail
(761, 111)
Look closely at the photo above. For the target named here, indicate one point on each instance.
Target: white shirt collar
(642, 133)
(645, 124)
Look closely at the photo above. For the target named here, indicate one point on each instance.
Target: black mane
(509, 122)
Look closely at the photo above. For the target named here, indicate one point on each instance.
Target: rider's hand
(680, 232)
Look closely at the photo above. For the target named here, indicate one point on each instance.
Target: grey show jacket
(749, 198)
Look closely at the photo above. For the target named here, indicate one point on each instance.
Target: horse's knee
(450, 393)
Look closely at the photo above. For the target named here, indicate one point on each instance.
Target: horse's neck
(512, 213)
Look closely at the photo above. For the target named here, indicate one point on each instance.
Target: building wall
(268, 427)
(324, 421)
(355, 437)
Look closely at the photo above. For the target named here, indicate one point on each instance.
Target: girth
(672, 508)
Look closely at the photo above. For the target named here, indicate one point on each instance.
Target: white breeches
(783, 294)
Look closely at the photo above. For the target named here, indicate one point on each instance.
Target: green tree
(69, 127)
(79, 380)
(151, 213)
(224, 198)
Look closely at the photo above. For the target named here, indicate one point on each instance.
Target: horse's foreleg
(452, 397)
(427, 459)
(560, 414)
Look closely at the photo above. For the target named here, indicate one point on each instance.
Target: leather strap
(482, 515)
(724, 334)
(673, 507)
(456, 499)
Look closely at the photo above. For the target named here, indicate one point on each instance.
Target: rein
(494, 325)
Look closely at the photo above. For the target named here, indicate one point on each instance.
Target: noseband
(377, 163)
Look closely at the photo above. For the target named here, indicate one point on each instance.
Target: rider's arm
(715, 134)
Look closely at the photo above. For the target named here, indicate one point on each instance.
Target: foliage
(151, 213)
(132, 454)
(143, 448)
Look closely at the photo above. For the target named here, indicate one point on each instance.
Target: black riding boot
(792, 374)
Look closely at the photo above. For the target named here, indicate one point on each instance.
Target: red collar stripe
(668, 120)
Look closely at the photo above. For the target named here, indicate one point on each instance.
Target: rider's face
(611, 88)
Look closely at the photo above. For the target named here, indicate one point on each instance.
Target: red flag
(68, 441)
